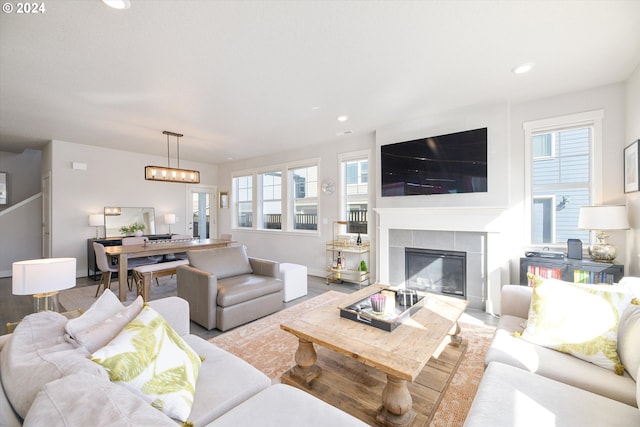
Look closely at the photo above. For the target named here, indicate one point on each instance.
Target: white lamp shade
(170, 219)
(39, 276)
(96, 220)
(603, 218)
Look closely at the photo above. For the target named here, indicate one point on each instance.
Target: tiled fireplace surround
(476, 231)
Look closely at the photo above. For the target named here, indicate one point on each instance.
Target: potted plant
(135, 229)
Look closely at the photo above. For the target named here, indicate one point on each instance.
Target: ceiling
(247, 78)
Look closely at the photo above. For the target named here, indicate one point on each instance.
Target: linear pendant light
(169, 174)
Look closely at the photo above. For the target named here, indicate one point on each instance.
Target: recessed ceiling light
(523, 68)
(118, 4)
(343, 118)
(315, 108)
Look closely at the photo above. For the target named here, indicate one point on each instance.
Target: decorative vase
(137, 233)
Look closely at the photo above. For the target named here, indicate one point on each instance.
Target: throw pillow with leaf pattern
(581, 320)
(153, 361)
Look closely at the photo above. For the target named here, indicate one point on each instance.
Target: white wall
(298, 248)
(112, 178)
(633, 199)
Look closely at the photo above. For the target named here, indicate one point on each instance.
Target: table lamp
(170, 219)
(600, 219)
(43, 278)
(96, 220)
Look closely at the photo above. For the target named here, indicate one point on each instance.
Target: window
(243, 200)
(285, 198)
(304, 197)
(561, 176)
(271, 198)
(355, 171)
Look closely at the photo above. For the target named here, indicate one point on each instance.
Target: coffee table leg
(305, 370)
(455, 338)
(397, 404)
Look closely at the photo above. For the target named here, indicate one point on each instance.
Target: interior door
(202, 214)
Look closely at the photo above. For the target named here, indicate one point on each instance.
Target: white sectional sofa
(49, 380)
(527, 384)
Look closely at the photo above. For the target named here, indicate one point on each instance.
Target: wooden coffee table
(400, 355)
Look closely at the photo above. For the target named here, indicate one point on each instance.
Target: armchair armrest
(200, 289)
(515, 300)
(263, 267)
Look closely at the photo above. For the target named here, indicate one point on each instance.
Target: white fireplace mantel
(491, 221)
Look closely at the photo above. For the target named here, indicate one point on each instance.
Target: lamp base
(47, 301)
(602, 251)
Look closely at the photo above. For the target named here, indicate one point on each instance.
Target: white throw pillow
(153, 361)
(581, 320)
(101, 334)
(103, 308)
(632, 283)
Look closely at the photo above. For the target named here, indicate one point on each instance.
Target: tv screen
(453, 163)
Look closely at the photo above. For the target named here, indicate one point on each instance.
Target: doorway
(202, 220)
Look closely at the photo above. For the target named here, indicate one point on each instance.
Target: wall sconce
(599, 219)
(43, 278)
(170, 219)
(169, 174)
(96, 220)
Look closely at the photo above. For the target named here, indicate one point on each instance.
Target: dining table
(155, 248)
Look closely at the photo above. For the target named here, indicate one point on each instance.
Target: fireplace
(436, 271)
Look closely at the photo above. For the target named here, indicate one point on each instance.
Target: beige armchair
(225, 288)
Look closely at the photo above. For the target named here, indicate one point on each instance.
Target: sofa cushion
(102, 308)
(629, 340)
(224, 382)
(577, 319)
(505, 348)
(149, 358)
(283, 405)
(246, 287)
(508, 396)
(221, 262)
(80, 400)
(99, 335)
(37, 354)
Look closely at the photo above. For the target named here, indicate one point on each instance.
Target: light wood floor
(15, 307)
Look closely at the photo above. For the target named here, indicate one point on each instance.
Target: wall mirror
(116, 217)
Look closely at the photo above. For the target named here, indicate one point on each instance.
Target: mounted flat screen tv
(445, 164)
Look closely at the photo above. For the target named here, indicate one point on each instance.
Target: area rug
(271, 350)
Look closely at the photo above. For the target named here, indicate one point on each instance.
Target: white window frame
(591, 119)
(235, 201)
(342, 193)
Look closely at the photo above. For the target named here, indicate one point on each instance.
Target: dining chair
(102, 260)
(136, 262)
(181, 255)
